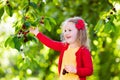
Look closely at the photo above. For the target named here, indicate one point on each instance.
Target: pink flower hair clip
(80, 24)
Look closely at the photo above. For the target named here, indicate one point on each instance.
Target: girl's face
(70, 32)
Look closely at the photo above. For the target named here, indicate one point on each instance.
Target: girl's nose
(66, 33)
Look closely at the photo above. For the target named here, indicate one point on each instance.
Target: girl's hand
(70, 69)
(35, 31)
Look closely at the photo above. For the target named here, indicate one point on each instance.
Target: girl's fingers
(67, 68)
(34, 30)
(70, 68)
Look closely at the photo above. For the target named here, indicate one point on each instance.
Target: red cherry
(26, 17)
(8, 4)
(23, 27)
(43, 17)
(108, 18)
(20, 31)
(114, 9)
(25, 33)
(19, 36)
(23, 58)
(41, 22)
(21, 49)
(111, 12)
(7, 1)
(25, 40)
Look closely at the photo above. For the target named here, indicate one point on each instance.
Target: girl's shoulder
(83, 50)
(65, 45)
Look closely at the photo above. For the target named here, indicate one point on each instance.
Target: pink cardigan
(83, 58)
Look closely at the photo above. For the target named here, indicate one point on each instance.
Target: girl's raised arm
(56, 45)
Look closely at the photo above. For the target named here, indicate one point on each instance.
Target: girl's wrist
(36, 33)
(75, 71)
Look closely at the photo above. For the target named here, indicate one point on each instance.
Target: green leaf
(99, 25)
(113, 27)
(9, 10)
(36, 22)
(31, 37)
(55, 2)
(1, 12)
(109, 26)
(33, 5)
(41, 6)
(112, 18)
(27, 24)
(9, 42)
(17, 43)
(13, 42)
(47, 24)
(52, 20)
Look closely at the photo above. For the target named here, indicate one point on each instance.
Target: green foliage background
(23, 57)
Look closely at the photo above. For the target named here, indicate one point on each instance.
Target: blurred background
(23, 57)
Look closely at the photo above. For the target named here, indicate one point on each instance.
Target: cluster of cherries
(23, 33)
(64, 72)
(42, 20)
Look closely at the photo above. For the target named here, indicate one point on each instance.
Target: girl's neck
(74, 45)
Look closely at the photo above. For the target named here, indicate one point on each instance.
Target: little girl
(75, 61)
